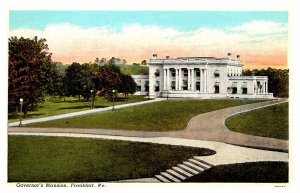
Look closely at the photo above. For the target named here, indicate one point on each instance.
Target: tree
(72, 80)
(127, 86)
(28, 59)
(52, 81)
(107, 78)
(144, 63)
(86, 80)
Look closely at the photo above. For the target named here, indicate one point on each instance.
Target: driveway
(208, 126)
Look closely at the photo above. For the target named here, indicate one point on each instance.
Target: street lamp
(113, 91)
(21, 105)
(167, 94)
(92, 101)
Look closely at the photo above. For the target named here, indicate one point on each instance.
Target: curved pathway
(226, 153)
(208, 126)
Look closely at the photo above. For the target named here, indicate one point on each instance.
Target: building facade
(200, 77)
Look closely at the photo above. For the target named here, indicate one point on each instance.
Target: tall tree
(72, 80)
(107, 78)
(127, 85)
(27, 61)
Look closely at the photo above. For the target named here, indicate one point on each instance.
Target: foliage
(29, 59)
(53, 80)
(128, 85)
(278, 80)
(144, 63)
(134, 69)
(78, 80)
(107, 78)
(72, 80)
(62, 159)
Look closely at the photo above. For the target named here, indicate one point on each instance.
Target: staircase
(184, 170)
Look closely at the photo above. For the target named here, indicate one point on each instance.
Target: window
(173, 73)
(197, 73)
(244, 90)
(157, 73)
(157, 86)
(173, 85)
(217, 73)
(198, 86)
(147, 86)
(217, 89)
(185, 85)
(234, 90)
(185, 72)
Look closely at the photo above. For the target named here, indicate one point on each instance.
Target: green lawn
(58, 106)
(245, 172)
(159, 116)
(271, 122)
(62, 159)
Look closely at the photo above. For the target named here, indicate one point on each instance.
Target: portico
(191, 79)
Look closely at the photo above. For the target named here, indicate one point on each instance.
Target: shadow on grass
(83, 107)
(31, 115)
(245, 172)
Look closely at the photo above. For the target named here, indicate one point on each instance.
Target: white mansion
(200, 77)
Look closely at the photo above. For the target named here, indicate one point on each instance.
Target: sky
(261, 38)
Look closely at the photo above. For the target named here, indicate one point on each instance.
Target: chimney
(154, 56)
(229, 56)
(238, 57)
(167, 57)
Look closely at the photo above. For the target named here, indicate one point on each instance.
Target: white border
(209, 5)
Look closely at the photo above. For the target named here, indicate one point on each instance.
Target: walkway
(75, 114)
(226, 153)
(208, 126)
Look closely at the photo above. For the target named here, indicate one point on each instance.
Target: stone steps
(184, 170)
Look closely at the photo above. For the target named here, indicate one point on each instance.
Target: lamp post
(113, 91)
(21, 106)
(167, 94)
(92, 101)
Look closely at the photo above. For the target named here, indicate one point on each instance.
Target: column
(201, 80)
(267, 91)
(168, 81)
(176, 79)
(165, 79)
(266, 87)
(179, 79)
(193, 81)
(188, 86)
(205, 81)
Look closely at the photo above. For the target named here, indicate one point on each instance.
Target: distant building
(200, 77)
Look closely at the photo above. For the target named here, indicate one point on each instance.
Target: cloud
(261, 28)
(135, 42)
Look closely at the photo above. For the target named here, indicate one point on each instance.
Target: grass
(54, 106)
(62, 159)
(159, 116)
(245, 172)
(267, 122)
